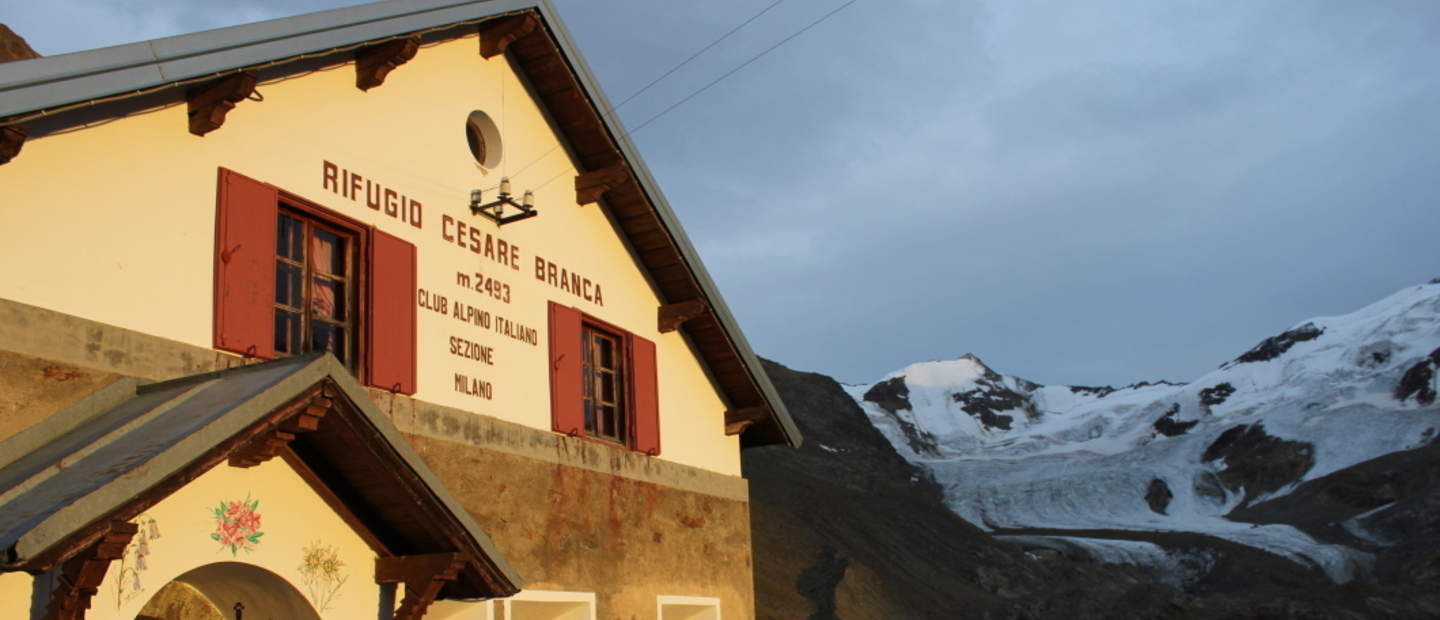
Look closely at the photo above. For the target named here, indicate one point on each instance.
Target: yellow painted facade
(301, 540)
(17, 589)
(109, 223)
(115, 223)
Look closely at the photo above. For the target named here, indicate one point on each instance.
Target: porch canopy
(70, 485)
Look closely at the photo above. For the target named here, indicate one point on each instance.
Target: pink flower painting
(237, 525)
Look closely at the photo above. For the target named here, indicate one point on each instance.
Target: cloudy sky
(1095, 192)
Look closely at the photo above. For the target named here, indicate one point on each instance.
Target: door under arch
(211, 592)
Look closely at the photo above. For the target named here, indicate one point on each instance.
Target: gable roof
(64, 91)
(128, 446)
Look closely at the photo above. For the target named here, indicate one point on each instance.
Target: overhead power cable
(611, 112)
(742, 66)
(692, 57)
(704, 88)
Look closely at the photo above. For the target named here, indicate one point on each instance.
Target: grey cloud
(1098, 192)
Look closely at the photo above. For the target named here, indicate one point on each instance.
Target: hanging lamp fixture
(495, 209)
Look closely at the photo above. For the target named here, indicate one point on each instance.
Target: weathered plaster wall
(627, 540)
(34, 337)
(32, 389)
(418, 418)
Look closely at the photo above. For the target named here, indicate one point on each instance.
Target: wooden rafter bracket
(12, 137)
(673, 315)
(589, 187)
(423, 576)
(268, 445)
(497, 35)
(374, 63)
(737, 420)
(210, 102)
(80, 576)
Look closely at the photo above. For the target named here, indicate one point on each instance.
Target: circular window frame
(483, 138)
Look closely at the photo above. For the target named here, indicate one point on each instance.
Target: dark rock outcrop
(1097, 392)
(1168, 426)
(1216, 394)
(819, 582)
(985, 404)
(1158, 495)
(991, 398)
(1258, 462)
(892, 396)
(1393, 500)
(834, 425)
(14, 47)
(1419, 380)
(1275, 346)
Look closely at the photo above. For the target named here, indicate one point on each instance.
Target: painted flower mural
(133, 562)
(320, 571)
(237, 525)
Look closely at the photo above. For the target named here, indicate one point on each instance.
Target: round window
(484, 139)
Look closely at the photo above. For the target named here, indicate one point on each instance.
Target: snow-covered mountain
(1110, 470)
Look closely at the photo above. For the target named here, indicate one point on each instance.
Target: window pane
(607, 421)
(287, 332)
(327, 252)
(287, 284)
(603, 387)
(313, 273)
(327, 337)
(607, 387)
(606, 353)
(288, 238)
(328, 298)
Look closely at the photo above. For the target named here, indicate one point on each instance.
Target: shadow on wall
(213, 591)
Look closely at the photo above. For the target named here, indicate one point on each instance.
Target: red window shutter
(391, 352)
(645, 395)
(567, 397)
(245, 266)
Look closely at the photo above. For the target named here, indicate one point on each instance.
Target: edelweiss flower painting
(320, 570)
(237, 525)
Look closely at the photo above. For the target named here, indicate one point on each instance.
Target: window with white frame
(688, 608)
(546, 605)
(461, 610)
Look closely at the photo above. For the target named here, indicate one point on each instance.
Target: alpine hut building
(372, 312)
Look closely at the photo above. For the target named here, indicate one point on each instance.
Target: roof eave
(40, 83)
(37, 84)
(783, 422)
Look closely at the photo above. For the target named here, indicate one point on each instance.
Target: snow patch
(1083, 457)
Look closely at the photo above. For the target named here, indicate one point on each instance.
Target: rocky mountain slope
(846, 528)
(1301, 479)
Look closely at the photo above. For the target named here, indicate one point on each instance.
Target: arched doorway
(211, 592)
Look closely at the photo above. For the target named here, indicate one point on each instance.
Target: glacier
(1015, 457)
